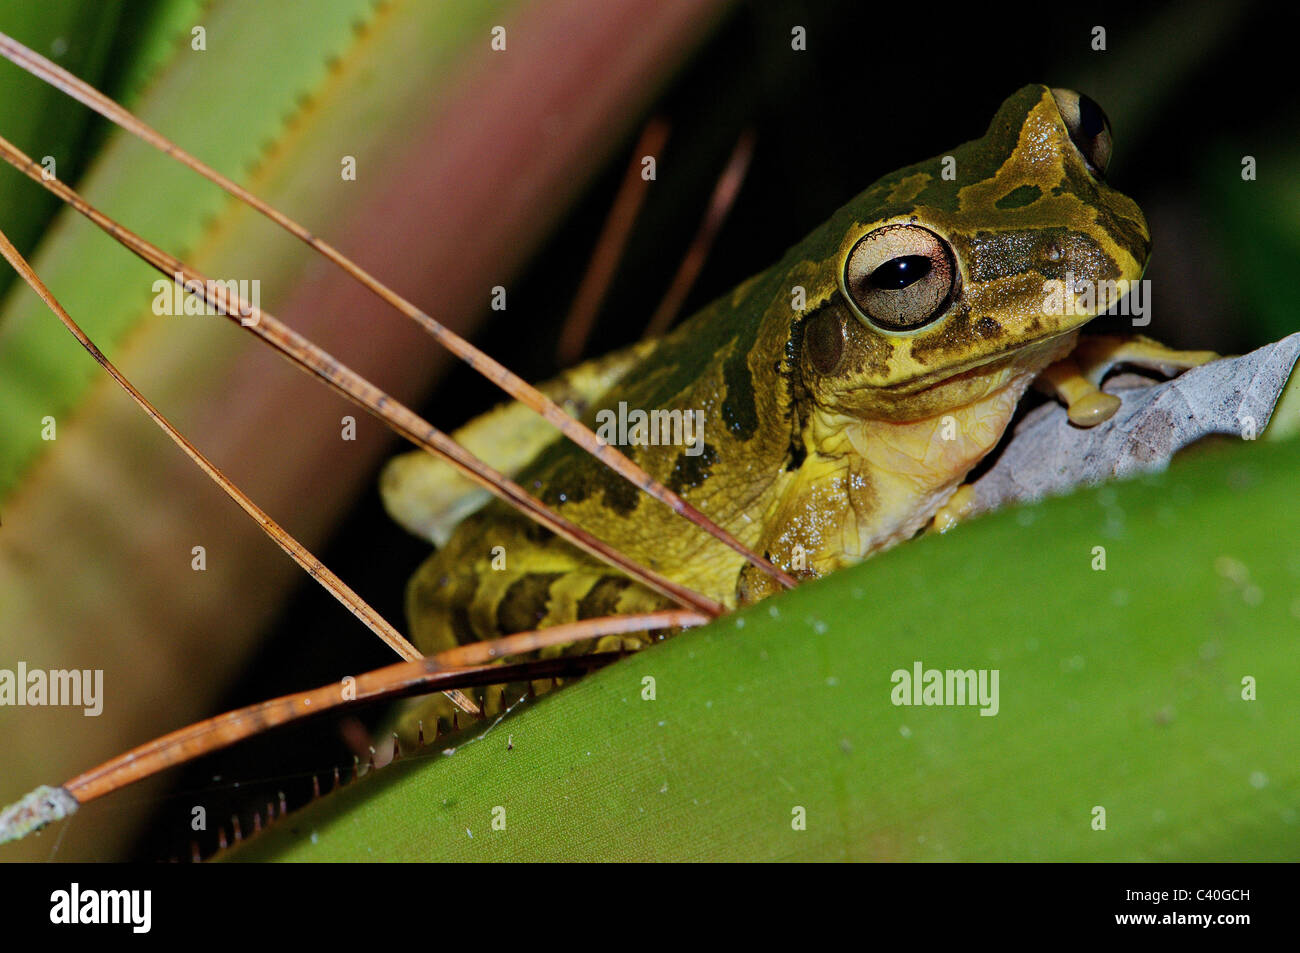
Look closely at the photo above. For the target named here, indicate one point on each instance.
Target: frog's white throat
(897, 474)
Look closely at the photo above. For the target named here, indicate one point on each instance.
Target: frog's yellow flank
(844, 393)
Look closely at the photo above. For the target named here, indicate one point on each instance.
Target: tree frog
(837, 400)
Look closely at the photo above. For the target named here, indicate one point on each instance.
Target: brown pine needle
(609, 246)
(313, 566)
(454, 668)
(720, 203)
(359, 390)
(497, 373)
(492, 650)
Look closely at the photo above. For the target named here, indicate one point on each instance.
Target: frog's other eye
(900, 277)
(1089, 128)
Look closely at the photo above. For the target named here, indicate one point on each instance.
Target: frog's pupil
(1092, 120)
(900, 272)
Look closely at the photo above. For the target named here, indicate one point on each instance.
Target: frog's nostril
(1088, 126)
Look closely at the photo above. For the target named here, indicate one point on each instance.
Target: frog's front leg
(1075, 380)
(811, 513)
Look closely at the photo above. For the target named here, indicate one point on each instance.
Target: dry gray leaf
(1049, 455)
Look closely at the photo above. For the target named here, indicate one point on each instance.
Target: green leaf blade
(1119, 689)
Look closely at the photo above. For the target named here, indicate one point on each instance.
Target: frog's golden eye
(900, 277)
(1089, 128)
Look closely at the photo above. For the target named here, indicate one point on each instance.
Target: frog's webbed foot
(1076, 380)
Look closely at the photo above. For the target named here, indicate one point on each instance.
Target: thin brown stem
(459, 667)
(313, 566)
(720, 203)
(446, 672)
(609, 246)
(420, 677)
(347, 382)
(493, 650)
(494, 371)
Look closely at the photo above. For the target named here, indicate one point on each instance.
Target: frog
(842, 396)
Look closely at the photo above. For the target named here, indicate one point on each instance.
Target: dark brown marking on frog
(602, 598)
(526, 602)
(690, 471)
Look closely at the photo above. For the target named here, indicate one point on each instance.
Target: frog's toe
(1092, 408)
(1086, 404)
(958, 508)
(623, 642)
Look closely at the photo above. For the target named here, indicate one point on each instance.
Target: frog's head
(944, 280)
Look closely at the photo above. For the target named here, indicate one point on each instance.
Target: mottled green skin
(789, 464)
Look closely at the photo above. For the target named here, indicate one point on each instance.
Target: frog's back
(707, 413)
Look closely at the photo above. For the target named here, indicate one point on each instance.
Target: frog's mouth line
(921, 383)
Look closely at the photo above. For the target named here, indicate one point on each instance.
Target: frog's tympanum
(842, 395)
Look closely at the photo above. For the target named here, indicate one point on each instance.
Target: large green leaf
(1120, 688)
